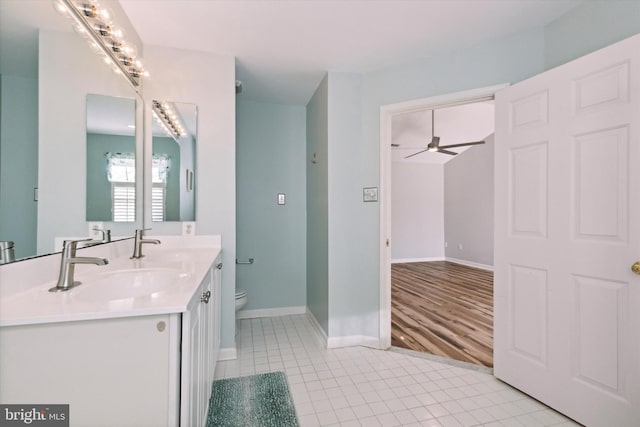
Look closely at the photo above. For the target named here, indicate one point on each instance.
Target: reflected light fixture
(94, 22)
(168, 119)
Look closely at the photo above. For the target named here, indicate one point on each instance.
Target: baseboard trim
(320, 333)
(470, 263)
(353, 340)
(229, 353)
(270, 312)
(404, 260)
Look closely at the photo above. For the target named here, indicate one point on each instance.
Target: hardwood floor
(444, 309)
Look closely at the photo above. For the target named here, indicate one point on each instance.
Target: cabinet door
(190, 394)
(217, 291)
(199, 326)
(206, 350)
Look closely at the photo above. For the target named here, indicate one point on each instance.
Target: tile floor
(359, 386)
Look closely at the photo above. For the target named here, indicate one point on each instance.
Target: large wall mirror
(46, 72)
(111, 159)
(173, 195)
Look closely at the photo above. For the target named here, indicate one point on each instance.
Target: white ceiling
(284, 47)
(454, 125)
(111, 115)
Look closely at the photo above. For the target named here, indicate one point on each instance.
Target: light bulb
(102, 29)
(114, 45)
(88, 10)
(126, 60)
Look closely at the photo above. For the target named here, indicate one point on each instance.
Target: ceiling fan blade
(463, 144)
(415, 154)
(451, 153)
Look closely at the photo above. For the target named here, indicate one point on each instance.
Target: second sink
(130, 284)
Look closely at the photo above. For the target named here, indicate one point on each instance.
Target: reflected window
(159, 171)
(121, 172)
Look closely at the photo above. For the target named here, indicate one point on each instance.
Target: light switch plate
(370, 194)
(93, 233)
(282, 198)
(188, 228)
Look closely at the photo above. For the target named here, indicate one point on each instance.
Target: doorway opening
(434, 298)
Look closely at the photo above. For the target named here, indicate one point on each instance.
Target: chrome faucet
(106, 234)
(139, 241)
(67, 265)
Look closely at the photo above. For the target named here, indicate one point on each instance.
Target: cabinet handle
(219, 266)
(205, 297)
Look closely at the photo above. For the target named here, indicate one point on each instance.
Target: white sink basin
(130, 284)
(174, 255)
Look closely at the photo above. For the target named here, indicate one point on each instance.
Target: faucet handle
(69, 246)
(106, 233)
(140, 231)
(74, 242)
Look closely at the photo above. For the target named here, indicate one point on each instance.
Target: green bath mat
(261, 400)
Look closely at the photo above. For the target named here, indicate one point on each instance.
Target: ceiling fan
(434, 145)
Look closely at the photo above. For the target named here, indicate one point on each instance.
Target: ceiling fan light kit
(434, 145)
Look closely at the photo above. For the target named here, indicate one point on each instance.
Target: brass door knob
(636, 267)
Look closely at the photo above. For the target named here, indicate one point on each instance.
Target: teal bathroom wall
(317, 170)
(591, 26)
(509, 59)
(19, 162)
(270, 157)
(350, 298)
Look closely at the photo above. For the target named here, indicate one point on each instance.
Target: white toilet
(241, 299)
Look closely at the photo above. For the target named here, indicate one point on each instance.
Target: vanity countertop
(181, 266)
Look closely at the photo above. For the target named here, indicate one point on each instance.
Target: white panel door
(567, 194)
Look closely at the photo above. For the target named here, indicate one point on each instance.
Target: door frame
(386, 114)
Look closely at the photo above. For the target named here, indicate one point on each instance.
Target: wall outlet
(281, 198)
(446, 244)
(459, 246)
(93, 233)
(189, 228)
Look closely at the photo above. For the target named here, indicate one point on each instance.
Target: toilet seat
(241, 299)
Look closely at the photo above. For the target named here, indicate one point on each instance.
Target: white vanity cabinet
(200, 347)
(139, 370)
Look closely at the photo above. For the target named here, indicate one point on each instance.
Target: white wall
(208, 81)
(468, 205)
(417, 212)
(68, 71)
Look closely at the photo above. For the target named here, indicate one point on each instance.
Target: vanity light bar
(94, 21)
(168, 119)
